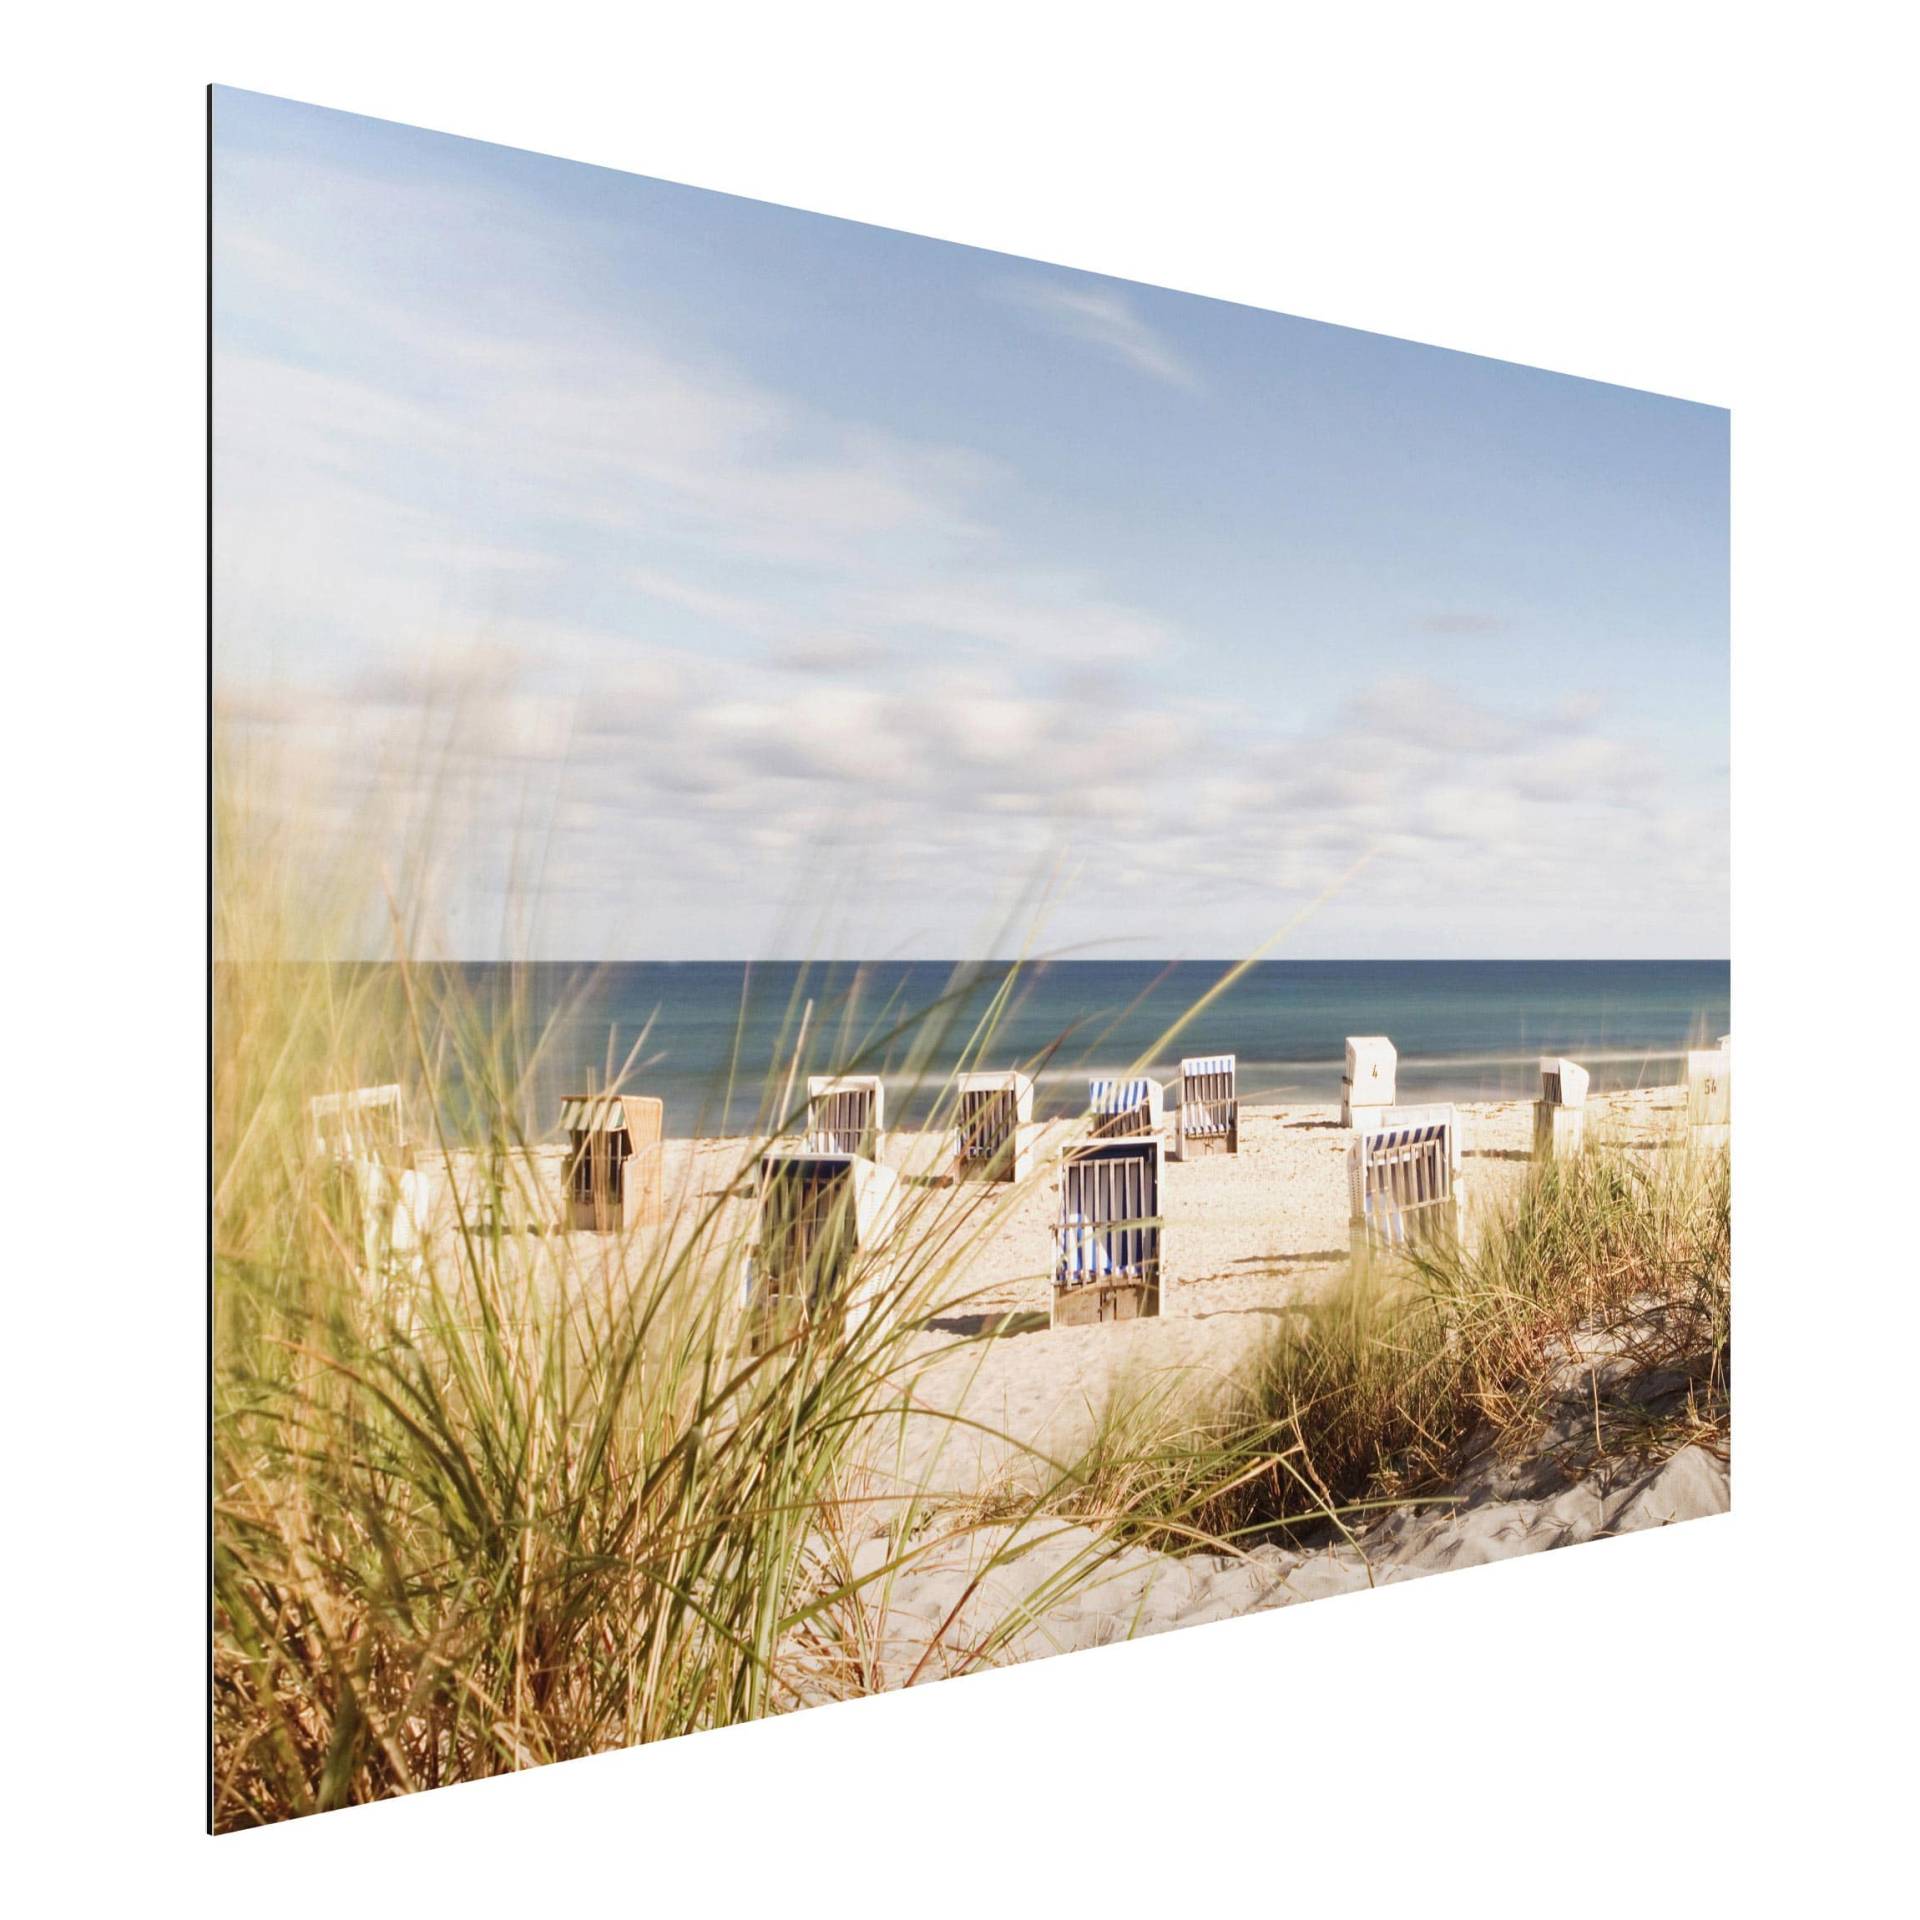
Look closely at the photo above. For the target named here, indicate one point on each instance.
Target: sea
(724, 1043)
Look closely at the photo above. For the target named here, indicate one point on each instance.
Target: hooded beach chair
(1209, 1106)
(993, 1126)
(359, 1124)
(394, 1222)
(1123, 1107)
(1439, 1113)
(846, 1113)
(1367, 1085)
(361, 1133)
(822, 1241)
(1710, 1093)
(1560, 1114)
(1403, 1186)
(1106, 1236)
(613, 1160)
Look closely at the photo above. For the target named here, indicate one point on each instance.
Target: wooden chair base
(1097, 1303)
(1196, 1146)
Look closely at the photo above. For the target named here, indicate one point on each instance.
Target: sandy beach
(1247, 1238)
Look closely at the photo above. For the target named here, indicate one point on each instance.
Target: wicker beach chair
(1106, 1237)
(1560, 1113)
(1710, 1094)
(1209, 1106)
(361, 1135)
(1368, 1083)
(846, 1113)
(1439, 1113)
(613, 1160)
(993, 1126)
(1120, 1108)
(823, 1240)
(359, 1123)
(1403, 1186)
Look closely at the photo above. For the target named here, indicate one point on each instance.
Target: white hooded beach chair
(1209, 1106)
(993, 1126)
(846, 1113)
(1437, 1113)
(823, 1239)
(1710, 1093)
(394, 1222)
(1368, 1083)
(1106, 1237)
(360, 1123)
(1403, 1188)
(1560, 1114)
(613, 1160)
(1123, 1107)
(361, 1132)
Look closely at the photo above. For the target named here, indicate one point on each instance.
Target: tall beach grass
(1608, 1275)
(530, 1495)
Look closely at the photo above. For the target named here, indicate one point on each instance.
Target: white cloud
(1104, 319)
(709, 798)
(714, 652)
(451, 477)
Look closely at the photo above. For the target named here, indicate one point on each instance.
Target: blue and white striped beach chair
(1106, 1255)
(1402, 1185)
(1209, 1105)
(1123, 1107)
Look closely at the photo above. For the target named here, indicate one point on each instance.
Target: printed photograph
(919, 960)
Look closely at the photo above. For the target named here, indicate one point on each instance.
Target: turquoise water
(1465, 1029)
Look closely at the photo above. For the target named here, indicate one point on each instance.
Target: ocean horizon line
(1039, 960)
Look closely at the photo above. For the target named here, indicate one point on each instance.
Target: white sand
(1246, 1237)
(1140, 1592)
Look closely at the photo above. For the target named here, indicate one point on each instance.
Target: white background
(1709, 201)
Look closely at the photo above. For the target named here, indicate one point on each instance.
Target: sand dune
(939, 1606)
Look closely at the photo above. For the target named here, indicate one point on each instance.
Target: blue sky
(734, 581)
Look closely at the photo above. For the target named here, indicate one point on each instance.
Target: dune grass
(538, 1500)
(529, 1495)
(1609, 1271)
